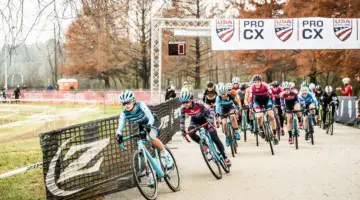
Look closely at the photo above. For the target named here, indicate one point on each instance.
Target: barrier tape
(21, 170)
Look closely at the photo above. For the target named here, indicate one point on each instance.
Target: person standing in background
(185, 87)
(170, 92)
(357, 78)
(348, 88)
(17, 94)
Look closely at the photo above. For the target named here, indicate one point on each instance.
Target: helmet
(257, 77)
(275, 84)
(311, 86)
(304, 90)
(185, 96)
(210, 84)
(236, 80)
(228, 86)
(242, 86)
(328, 88)
(126, 96)
(292, 84)
(286, 85)
(318, 88)
(304, 84)
(220, 83)
(222, 90)
(346, 80)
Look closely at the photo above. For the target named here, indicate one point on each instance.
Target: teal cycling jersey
(226, 103)
(141, 114)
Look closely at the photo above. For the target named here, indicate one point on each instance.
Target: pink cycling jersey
(276, 91)
(263, 91)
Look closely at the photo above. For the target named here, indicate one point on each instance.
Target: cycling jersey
(209, 96)
(226, 104)
(234, 93)
(276, 92)
(289, 100)
(309, 99)
(140, 114)
(198, 111)
(261, 97)
(326, 99)
(318, 95)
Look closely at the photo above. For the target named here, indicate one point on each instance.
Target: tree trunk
(197, 67)
(107, 82)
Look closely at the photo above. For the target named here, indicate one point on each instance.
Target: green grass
(22, 152)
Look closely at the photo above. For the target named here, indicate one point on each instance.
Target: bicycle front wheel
(210, 159)
(244, 125)
(172, 175)
(269, 137)
(144, 176)
(231, 137)
(311, 128)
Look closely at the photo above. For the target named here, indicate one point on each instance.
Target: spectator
(185, 86)
(49, 87)
(348, 88)
(170, 92)
(357, 77)
(17, 94)
(3, 94)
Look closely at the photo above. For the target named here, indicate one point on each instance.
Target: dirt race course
(328, 170)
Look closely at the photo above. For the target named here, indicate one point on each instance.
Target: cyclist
(262, 97)
(225, 104)
(139, 113)
(328, 97)
(246, 104)
(229, 86)
(200, 113)
(348, 88)
(318, 94)
(308, 101)
(312, 88)
(210, 94)
(290, 102)
(276, 90)
(234, 91)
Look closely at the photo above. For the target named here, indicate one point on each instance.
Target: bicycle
(230, 135)
(295, 126)
(277, 120)
(330, 118)
(152, 169)
(320, 114)
(267, 130)
(207, 148)
(244, 122)
(310, 121)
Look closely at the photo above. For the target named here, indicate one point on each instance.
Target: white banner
(292, 33)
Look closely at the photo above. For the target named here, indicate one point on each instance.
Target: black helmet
(210, 84)
(257, 77)
(318, 88)
(242, 86)
(275, 84)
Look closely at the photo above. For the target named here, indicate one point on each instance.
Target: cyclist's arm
(122, 122)
(204, 96)
(217, 105)
(182, 119)
(148, 113)
(271, 94)
(207, 109)
(314, 101)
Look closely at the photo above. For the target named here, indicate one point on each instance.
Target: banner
(347, 111)
(84, 160)
(291, 33)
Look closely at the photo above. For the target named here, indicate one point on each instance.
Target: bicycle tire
(136, 180)
(331, 122)
(256, 132)
(296, 132)
(224, 166)
(328, 122)
(244, 124)
(230, 137)
(277, 120)
(269, 137)
(213, 171)
(311, 129)
(167, 178)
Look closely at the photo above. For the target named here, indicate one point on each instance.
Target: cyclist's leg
(271, 116)
(217, 141)
(194, 136)
(297, 107)
(281, 117)
(325, 110)
(333, 111)
(305, 117)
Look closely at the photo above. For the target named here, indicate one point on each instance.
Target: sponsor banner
(84, 161)
(291, 33)
(347, 111)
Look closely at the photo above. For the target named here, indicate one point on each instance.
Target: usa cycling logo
(342, 28)
(284, 29)
(225, 29)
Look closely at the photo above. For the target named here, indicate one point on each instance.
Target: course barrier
(85, 161)
(347, 111)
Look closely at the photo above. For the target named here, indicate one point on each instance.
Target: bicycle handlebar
(196, 129)
(126, 139)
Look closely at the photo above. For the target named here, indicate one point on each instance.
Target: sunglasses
(186, 102)
(126, 103)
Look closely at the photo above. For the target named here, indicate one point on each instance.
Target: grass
(22, 152)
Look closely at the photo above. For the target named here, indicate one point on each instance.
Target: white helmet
(312, 86)
(228, 86)
(292, 84)
(346, 80)
(328, 88)
(304, 84)
(286, 85)
(236, 80)
(222, 90)
(304, 90)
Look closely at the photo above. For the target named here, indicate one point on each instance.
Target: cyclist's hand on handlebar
(183, 133)
(119, 138)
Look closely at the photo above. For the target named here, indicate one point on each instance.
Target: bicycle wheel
(269, 137)
(296, 132)
(244, 124)
(256, 132)
(172, 176)
(311, 129)
(144, 175)
(328, 122)
(230, 137)
(210, 160)
(224, 166)
(278, 127)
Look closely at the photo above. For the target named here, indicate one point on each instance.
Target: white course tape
(21, 170)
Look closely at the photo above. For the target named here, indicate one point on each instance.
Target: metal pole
(5, 61)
